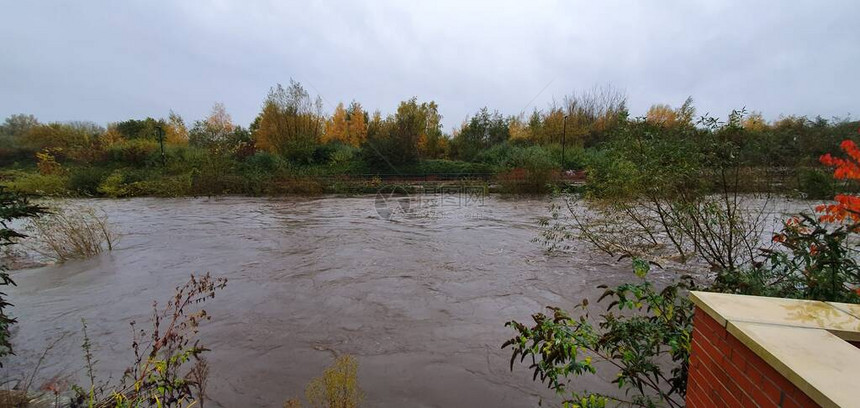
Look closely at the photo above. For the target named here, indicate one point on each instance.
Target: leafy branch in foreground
(642, 330)
(12, 207)
(168, 367)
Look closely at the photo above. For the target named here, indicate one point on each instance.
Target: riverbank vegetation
(644, 335)
(298, 145)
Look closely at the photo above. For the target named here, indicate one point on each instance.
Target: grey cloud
(107, 61)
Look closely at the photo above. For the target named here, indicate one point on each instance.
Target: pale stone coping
(803, 340)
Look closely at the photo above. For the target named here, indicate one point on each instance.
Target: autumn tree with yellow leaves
(336, 127)
(346, 125)
(175, 131)
(291, 123)
(356, 124)
(664, 115)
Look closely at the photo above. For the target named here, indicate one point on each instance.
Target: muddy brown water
(419, 296)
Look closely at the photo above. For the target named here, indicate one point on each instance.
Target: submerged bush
(71, 232)
(337, 387)
(535, 172)
(525, 181)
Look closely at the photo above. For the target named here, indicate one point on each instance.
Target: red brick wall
(726, 373)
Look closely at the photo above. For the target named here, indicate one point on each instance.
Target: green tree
(482, 131)
(138, 129)
(15, 127)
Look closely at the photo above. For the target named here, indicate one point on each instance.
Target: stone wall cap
(806, 341)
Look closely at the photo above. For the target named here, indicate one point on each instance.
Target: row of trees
(293, 125)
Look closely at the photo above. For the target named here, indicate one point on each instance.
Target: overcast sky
(107, 61)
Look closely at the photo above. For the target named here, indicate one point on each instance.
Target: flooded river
(418, 293)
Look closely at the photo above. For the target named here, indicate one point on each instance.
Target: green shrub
(815, 184)
(610, 176)
(575, 157)
(256, 183)
(498, 155)
(216, 176)
(86, 180)
(185, 156)
(40, 184)
(343, 155)
(137, 183)
(509, 156)
(114, 185)
(263, 162)
(135, 152)
(163, 186)
(296, 185)
(534, 158)
(322, 153)
(15, 156)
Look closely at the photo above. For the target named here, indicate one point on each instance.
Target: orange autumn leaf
(846, 206)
